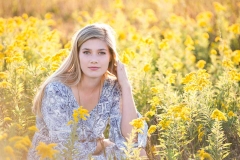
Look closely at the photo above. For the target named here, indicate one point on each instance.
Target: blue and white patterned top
(57, 107)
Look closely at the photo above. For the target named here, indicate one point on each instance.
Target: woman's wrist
(126, 86)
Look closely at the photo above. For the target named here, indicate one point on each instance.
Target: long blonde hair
(69, 72)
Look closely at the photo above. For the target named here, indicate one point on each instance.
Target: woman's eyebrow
(98, 49)
(85, 49)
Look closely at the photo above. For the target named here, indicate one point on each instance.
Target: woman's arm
(129, 111)
(128, 108)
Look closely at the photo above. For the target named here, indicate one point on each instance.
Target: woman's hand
(122, 74)
(101, 144)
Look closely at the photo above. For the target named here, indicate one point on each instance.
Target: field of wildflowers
(182, 58)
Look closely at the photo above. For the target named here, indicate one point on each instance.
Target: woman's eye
(85, 52)
(102, 53)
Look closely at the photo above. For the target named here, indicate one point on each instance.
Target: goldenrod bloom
(218, 7)
(9, 150)
(151, 113)
(3, 136)
(188, 78)
(152, 129)
(218, 115)
(125, 59)
(204, 155)
(33, 128)
(3, 75)
(138, 124)
(164, 123)
(80, 113)
(200, 64)
(213, 51)
(163, 44)
(154, 89)
(46, 151)
(7, 119)
(5, 84)
(231, 114)
(146, 68)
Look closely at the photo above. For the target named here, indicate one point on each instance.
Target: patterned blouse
(57, 107)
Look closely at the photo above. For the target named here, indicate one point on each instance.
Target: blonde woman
(94, 78)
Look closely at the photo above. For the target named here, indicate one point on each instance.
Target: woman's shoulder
(111, 82)
(56, 87)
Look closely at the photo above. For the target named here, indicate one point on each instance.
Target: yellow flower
(21, 143)
(7, 119)
(231, 114)
(80, 113)
(15, 138)
(46, 151)
(180, 111)
(188, 78)
(54, 66)
(218, 7)
(5, 84)
(171, 78)
(33, 128)
(20, 146)
(151, 113)
(197, 82)
(218, 115)
(152, 129)
(189, 41)
(236, 57)
(25, 16)
(70, 122)
(200, 135)
(228, 64)
(154, 89)
(213, 51)
(155, 101)
(138, 124)
(235, 28)
(204, 155)
(9, 150)
(163, 44)
(164, 124)
(47, 58)
(177, 65)
(218, 39)
(48, 16)
(3, 136)
(125, 59)
(204, 18)
(206, 35)
(146, 68)
(233, 75)
(3, 75)
(200, 64)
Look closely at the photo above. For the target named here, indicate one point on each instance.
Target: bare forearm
(129, 111)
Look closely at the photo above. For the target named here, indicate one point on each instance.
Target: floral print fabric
(57, 107)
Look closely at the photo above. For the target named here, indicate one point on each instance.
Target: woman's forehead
(94, 44)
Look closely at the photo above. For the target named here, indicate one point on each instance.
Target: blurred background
(182, 56)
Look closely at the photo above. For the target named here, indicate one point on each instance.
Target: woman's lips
(94, 68)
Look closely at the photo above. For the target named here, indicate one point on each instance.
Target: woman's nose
(94, 60)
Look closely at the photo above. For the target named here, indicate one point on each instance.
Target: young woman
(92, 77)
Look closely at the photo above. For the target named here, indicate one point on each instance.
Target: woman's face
(94, 58)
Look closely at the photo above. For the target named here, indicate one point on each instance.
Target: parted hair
(69, 72)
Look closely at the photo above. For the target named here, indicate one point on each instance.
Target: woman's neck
(90, 84)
